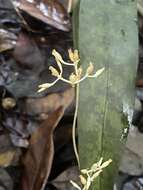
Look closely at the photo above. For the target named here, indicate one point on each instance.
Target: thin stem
(92, 76)
(81, 79)
(46, 85)
(76, 68)
(70, 64)
(74, 121)
(65, 80)
(74, 126)
(60, 66)
(55, 81)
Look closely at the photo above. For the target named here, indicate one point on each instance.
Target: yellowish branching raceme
(76, 77)
(89, 175)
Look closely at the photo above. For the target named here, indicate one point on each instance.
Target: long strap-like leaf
(108, 38)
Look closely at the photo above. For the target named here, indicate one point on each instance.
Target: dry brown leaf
(6, 158)
(63, 180)
(46, 105)
(39, 156)
(9, 155)
(17, 126)
(50, 12)
(68, 4)
(6, 182)
(7, 40)
(27, 53)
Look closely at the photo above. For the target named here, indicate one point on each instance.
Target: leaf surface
(108, 37)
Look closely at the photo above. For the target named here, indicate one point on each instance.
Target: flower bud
(73, 55)
(73, 78)
(54, 71)
(90, 69)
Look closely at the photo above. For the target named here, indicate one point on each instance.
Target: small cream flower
(90, 69)
(75, 77)
(73, 55)
(54, 71)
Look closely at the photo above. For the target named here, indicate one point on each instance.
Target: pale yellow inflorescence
(76, 77)
(89, 175)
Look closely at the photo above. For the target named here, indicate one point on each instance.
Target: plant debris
(35, 128)
(38, 159)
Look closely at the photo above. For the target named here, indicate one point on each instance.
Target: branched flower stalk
(89, 175)
(74, 80)
(76, 77)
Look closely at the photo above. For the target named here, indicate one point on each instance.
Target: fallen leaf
(50, 12)
(6, 182)
(16, 125)
(68, 4)
(19, 141)
(9, 155)
(62, 136)
(6, 158)
(7, 40)
(39, 156)
(62, 182)
(48, 104)
(27, 54)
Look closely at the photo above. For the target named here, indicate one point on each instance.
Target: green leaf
(107, 37)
